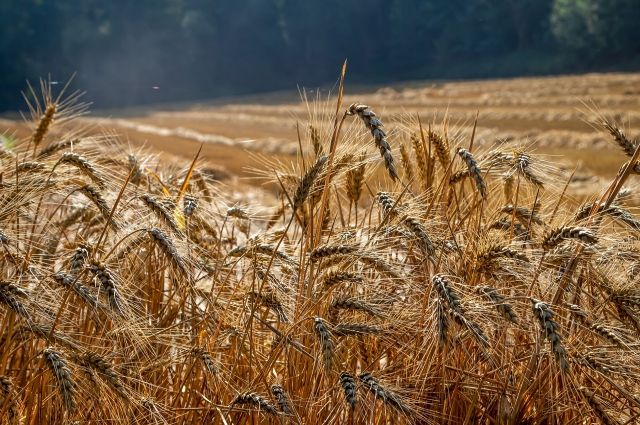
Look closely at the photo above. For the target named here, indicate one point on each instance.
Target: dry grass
(137, 292)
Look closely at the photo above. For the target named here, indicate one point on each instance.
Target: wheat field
(449, 267)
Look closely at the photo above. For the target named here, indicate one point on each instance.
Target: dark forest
(134, 52)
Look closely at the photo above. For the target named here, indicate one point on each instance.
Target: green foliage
(7, 142)
(124, 51)
(597, 27)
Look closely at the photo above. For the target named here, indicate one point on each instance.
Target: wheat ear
(85, 167)
(269, 300)
(206, 359)
(100, 364)
(615, 211)
(628, 146)
(441, 146)
(556, 236)
(442, 320)
(335, 277)
(282, 399)
(304, 187)
(474, 170)
(355, 304)
(522, 163)
(71, 283)
(314, 135)
(550, 328)
(387, 396)
(499, 302)
(355, 179)
(373, 123)
(189, 205)
(598, 328)
(447, 294)
(165, 216)
(327, 251)
(346, 329)
(597, 407)
(348, 384)
(255, 400)
(106, 279)
(166, 245)
(407, 164)
(8, 397)
(421, 159)
(45, 123)
(326, 341)
(64, 379)
(10, 294)
(79, 258)
(94, 196)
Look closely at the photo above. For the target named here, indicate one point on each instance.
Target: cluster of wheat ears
(452, 285)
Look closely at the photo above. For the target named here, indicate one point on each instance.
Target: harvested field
(551, 115)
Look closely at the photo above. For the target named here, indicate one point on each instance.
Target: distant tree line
(137, 51)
